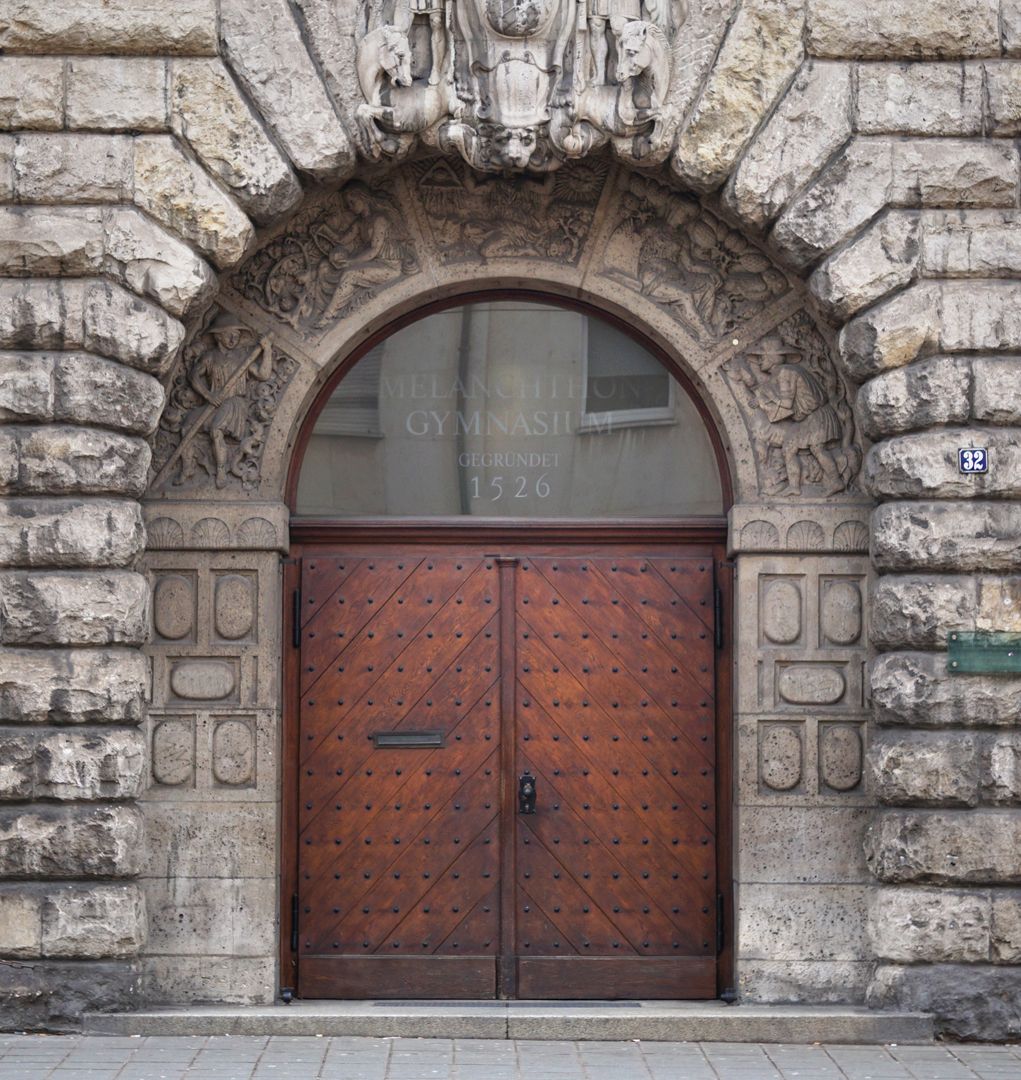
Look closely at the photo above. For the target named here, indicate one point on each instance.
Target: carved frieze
(221, 399)
(514, 85)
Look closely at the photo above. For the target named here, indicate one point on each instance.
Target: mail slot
(408, 739)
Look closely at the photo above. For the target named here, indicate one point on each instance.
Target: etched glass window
(509, 409)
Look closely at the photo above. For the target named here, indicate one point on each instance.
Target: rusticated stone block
(996, 398)
(20, 922)
(109, 607)
(70, 842)
(70, 532)
(92, 315)
(924, 394)
(951, 316)
(1006, 927)
(948, 537)
(924, 465)
(760, 53)
(108, 94)
(52, 995)
(263, 45)
(59, 460)
(968, 1001)
(913, 688)
(62, 168)
(920, 99)
(902, 28)
(1001, 769)
(72, 686)
(916, 612)
(879, 171)
(218, 124)
(933, 926)
(976, 847)
(971, 243)
(92, 921)
(185, 27)
(1003, 97)
(176, 192)
(31, 93)
(924, 768)
(884, 258)
(810, 124)
(77, 388)
(107, 764)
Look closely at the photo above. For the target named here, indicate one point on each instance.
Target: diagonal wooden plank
(321, 577)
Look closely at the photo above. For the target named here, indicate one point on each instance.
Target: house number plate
(973, 459)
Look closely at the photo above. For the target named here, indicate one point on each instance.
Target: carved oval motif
(210, 532)
(760, 535)
(233, 753)
(781, 612)
(841, 613)
(172, 752)
(840, 756)
(780, 757)
(519, 18)
(810, 684)
(805, 536)
(173, 607)
(234, 607)
(202, 680)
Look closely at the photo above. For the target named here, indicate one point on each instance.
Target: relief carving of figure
(809, 432)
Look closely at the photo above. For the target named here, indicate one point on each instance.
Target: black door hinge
(294, 923)
(720, 913)
(296, 619)
(718, 615)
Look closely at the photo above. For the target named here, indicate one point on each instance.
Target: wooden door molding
(703, 967)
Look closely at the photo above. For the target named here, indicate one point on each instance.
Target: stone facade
(157, 157)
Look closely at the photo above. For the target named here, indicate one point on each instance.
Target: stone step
(660, 1021)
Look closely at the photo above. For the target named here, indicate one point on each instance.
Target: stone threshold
(655, 1021)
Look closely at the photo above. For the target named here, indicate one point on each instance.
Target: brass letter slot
(408, 739)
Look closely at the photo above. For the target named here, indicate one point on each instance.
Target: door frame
(317, 537)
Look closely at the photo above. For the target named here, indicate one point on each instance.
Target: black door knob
(526, 793)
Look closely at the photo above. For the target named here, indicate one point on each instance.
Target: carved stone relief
(520, 84)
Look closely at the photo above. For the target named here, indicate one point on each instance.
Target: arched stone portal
(742, 333)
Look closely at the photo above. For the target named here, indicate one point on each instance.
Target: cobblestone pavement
(35, 1057)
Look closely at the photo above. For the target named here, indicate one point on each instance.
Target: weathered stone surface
(901, 28)
(210, 839)
(810, 124)
(70, 532)
(211, 916)
(1006, 927)
(92, 921)
(52, 995)
(761, 52)
(971, 243)
(20, 923)
(108, 94)
(916, 612)
(173, 980)
(94, 315)
(913, 688)
(1001, 769)
(919, 99)
(969, 1001)
(996, 397)
(802, 844)
(822, 982)
(180, 195)
(60, 460)
(879, 171)
(802, 922)
(1010, 26)
(264, 47)
(925, 465)
(924, 394)
(70, 842)
(65, 168)
(923, 768)
(72, 686)
(884, 258)
(185, 27)
(73, 608)
(981, 847)
(951, 316)
(1003, 98)
(72, 764)
(949, 537)
(210, 113)
(77, 388)
(31, 93)
(933, 926)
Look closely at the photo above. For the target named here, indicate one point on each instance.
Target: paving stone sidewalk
(52, 1057)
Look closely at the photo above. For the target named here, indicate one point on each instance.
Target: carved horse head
(395, 55)
(643, 49)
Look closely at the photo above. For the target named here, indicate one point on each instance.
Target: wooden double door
(506, 772)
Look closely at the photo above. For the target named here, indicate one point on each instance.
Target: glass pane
(509, 409)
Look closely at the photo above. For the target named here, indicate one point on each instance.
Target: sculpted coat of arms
(518, 84)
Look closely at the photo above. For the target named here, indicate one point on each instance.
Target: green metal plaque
(983, 652)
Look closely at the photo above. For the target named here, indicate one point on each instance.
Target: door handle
(526, 793)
